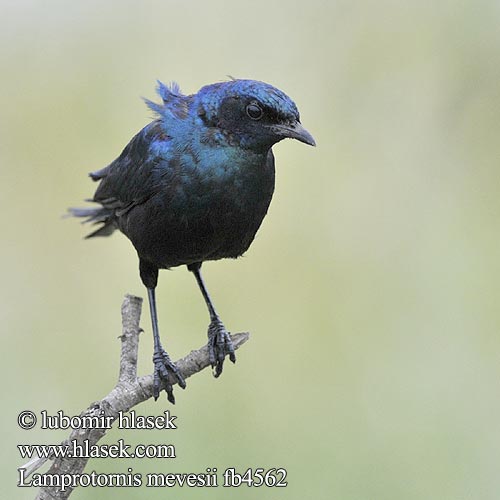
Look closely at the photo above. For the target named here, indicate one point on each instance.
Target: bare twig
(128, 392)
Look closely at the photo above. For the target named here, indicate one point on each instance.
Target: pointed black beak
(294, 131)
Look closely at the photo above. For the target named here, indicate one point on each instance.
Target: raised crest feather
(167, 92)
(173, 100)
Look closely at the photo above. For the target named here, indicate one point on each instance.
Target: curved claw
(219, 344)
(163, 371)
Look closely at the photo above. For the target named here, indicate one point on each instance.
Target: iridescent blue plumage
(194, 185)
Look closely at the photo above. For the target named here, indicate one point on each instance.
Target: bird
(193, 186)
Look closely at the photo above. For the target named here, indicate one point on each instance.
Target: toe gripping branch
(164, 370)
(219, 344)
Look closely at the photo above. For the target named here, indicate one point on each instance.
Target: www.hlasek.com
(84, 449)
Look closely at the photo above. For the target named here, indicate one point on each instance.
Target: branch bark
(129, 391)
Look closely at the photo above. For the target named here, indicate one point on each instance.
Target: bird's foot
(165, 370)
(219, 344)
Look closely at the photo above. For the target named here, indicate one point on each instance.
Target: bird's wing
(136, 174)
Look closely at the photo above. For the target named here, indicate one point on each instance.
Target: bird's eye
(254, 111)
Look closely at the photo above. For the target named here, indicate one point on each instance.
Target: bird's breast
(233, 196)
(208, 210)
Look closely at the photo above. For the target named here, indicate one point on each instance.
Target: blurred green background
(371, 291)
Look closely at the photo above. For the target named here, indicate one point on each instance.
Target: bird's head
(255, 114)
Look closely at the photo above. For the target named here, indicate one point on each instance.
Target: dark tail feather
(105, 230)
(96, 216)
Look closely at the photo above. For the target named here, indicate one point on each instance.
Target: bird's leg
(162, 362)
(219, 340)
(164, 368)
